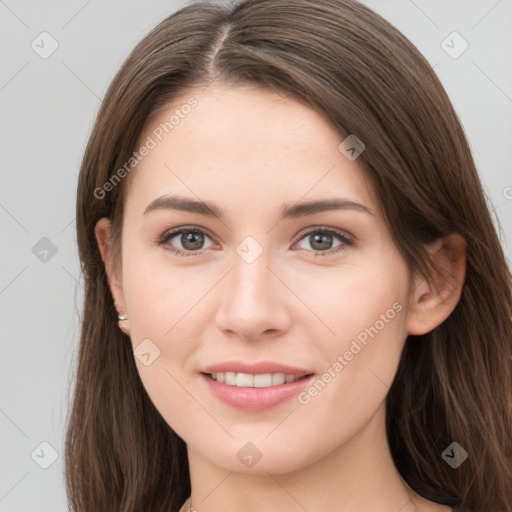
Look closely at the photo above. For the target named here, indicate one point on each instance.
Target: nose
(254, 301)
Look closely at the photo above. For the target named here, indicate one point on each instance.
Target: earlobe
(432, 302)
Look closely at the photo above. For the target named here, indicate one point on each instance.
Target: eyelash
(347, 241)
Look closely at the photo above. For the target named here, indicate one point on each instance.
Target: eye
(321, 239)
(190, 239)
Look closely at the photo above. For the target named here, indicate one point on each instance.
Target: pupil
(189, 238)
(318, 238)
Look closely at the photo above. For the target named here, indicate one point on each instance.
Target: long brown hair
(453, 384)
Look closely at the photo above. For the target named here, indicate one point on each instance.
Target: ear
(432, 304)
(102, 231)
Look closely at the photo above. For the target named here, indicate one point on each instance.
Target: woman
(337, 336)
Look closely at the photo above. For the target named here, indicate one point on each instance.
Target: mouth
(255, 392)
(249, 380)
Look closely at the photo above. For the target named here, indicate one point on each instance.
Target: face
(321, 293)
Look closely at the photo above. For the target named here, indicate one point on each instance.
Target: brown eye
(187, 241)
(192, 240)
(321, 241)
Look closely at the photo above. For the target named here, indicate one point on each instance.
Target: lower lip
(255, 399)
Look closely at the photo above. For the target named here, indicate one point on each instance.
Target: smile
(255, 392)
(248, 380)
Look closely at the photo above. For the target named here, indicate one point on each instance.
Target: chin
(259, 459)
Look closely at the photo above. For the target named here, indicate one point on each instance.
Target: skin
(249, 151)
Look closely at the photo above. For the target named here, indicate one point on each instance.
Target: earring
(123, 322)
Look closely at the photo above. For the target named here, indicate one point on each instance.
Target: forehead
(240, 143)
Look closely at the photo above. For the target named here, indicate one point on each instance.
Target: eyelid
(340, 232)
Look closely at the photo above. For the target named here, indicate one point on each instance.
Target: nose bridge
(251, 278)
(250, 301)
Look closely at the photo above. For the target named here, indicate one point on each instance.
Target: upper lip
(255, 368)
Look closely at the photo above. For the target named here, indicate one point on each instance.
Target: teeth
(247, 380)
(244, 380)
(277, 379)
(263, 380)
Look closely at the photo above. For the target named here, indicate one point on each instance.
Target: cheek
(360, 361)
(165, 307)
(363, 312)
(163, 299)
(351, 299)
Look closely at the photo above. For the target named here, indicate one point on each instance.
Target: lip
(255, 399)
(255, 368)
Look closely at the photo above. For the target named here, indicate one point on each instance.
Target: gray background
(48, 107)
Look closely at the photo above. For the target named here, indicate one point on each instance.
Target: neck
(358, 475)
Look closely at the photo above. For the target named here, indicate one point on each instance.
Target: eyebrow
(288, 211)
